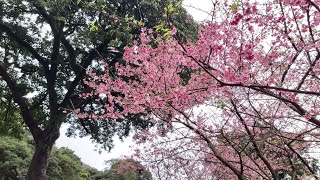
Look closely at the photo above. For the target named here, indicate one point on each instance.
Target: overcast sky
(83, 146)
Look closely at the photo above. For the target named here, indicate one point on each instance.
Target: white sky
(199, 9)
(86, 150)
(83, 146)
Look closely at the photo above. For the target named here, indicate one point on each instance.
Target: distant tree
(93, 173)
(127, 169)
(64, 164)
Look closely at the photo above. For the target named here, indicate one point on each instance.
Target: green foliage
(127, 170)
(94, 174)
(11, 123)
(235, 5)
(15, 156)
(173, 15)
(64, 164)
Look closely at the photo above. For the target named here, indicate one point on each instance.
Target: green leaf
(94, 27)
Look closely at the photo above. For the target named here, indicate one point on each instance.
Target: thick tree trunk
(39, 163)
(40, 160)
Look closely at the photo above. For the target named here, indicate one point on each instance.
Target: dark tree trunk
(40, 160)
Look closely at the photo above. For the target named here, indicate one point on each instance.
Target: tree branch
(18, 98)
(259, 153)
(295, 106)
(26, 45)
(314, 5)
(82, 72)
(211, 146)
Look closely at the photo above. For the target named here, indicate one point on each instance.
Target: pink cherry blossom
(240, 103)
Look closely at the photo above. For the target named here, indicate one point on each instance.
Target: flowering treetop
(256, 64)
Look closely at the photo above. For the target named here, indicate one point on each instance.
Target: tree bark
(40, 160)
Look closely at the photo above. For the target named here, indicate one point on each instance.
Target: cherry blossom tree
(242, 102)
